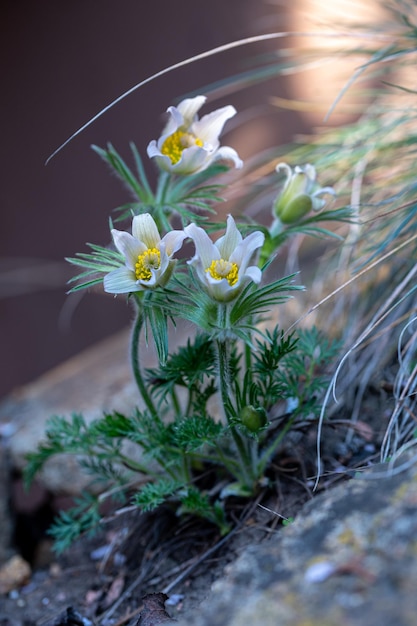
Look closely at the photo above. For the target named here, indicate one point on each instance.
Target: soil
(103, 579)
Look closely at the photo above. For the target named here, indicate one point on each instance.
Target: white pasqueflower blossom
(148, 258)
(223, 267)
(300, 194)
(188, 144)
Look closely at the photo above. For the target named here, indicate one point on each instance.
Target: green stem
(271, 244)
(270, 450)
(225, 389)
(230, 464)
(134, 354)
(190, 402)
(176, 403)
(186, 468)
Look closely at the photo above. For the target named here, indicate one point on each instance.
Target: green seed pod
(253, 418)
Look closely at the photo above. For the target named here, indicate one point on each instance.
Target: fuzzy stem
(225, 388)
(270, 244)
(270, 450)
(176, 403)
(134, 355)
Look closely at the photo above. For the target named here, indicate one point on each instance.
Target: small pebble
(119, 559)
(14, 573)
(319, 572)
(100, 553)
(174, 599)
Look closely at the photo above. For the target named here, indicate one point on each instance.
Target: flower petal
(230, 240)
(254, 273)
(243, 253)
(144, 229)
(225, 153)
(175, 121)
(192, 160)
(128, 246)
(209, 127)
(189, 108)
(121, 280)
(153, 149)
(206, 251)
(173, 241)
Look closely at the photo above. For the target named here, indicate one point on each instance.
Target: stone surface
(87, 384)
(349, 559)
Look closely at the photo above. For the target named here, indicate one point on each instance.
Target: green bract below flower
(148, 258)
(300, 194)
(223, 267)
(189, 145)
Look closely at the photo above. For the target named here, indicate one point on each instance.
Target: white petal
(254, 273)
(206, 251)
(153, 149)
(175, 120)
(210, 126)
(322, 190)
(173, 241)
(220, 289)
(163, 161)
(121, 280)
(163, 261)
(230, 240)
(225, 153)
(192, 160)
(128, 246)
(243, 253)
(286, 167)
(144, 229)
(309, 171)
(189, 108)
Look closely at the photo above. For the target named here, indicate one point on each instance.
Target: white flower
(223, 267)
(300, 194)
(189, 145)
(148, 258)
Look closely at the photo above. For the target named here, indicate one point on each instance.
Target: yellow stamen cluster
(174, 145)
(224, 269)
(150, 259)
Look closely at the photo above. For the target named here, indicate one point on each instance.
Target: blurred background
(62, 62)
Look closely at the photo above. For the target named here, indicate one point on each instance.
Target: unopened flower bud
(253, 418)
(300, 194)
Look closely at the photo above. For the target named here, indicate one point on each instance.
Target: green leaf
(255, 300)
(99, 262)
(156, 493)
(69, 525)
(194, 432)
(121, 169)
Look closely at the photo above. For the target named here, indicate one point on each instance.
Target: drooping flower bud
(300, 194)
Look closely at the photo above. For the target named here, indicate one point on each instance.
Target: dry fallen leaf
(154, 612)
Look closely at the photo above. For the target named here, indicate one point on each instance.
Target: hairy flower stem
(245, 465)
(134, 355)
